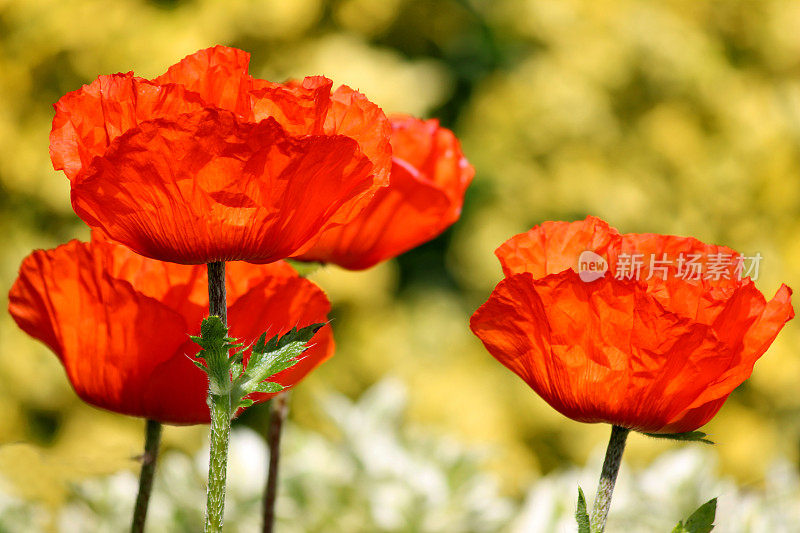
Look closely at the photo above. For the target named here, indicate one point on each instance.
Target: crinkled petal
(353, 115)
(218, 75)
(604, 351)
(88, 120)
(553, 247)
(120, 322)
(308, 107)
(206, 188)
(666, 346)
(301, 107)
(665, 257)
(108, 336)
(749, 325)
(428, 181)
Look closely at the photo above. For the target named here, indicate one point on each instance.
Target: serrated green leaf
(271, 357)
(691, 436)
(279, 353)
(262, 368)
(269, 387)
(200, 365)
(293, 335)
(260, 344)
(581, 514)
(702, 520)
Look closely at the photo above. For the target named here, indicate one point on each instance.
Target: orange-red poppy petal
(301, 107)
(429, 178)
(207, 188)
(100, 327)
(88, 120)
(120, 323)
(672, 256)
(749, 325)
(352, 114)
(218, 75)
(310, 107)
(553, 247)
(399, 217)
(432, 154)
(296, 158)
(600, 352)
(658, 351)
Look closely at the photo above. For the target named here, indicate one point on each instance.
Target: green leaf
(279, 353)
(691, 436)
(294, 335)
(269, 387)
(236, 369)
(260, 346)
(270, 363)
(269, 358)
(200, 365)
(244, 404)
(702, 520)
(581, 515)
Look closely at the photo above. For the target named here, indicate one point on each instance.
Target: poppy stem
(608, 478)
(279, 407)
(217, 300)
(152, 439)
(218, 461)
(219, 401)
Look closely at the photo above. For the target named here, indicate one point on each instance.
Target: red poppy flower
(119, 323)
(424, 197)
(658, 351)
(206, 163)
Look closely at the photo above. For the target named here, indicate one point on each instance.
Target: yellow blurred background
(674, 116)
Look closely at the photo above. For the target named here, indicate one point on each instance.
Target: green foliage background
(674, 116)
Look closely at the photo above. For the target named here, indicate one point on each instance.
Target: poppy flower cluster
(119, 323)
(658, 352)
(206, 163)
